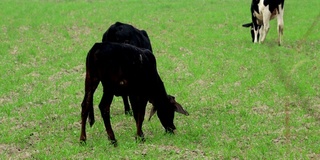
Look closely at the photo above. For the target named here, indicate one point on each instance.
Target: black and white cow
(262, 11)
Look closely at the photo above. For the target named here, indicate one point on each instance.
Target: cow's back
(126, 33)
(125, 69)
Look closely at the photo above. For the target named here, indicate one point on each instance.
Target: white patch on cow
(140, 58)
(261, 6)
(255, 36)
(274, 14)
(258, 16)
(260, 33)
(280, 23)
(266, 18)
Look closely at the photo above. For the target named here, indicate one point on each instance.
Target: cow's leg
(138, 104)
(87, 104)
(127, 110)
(266, 25)
(256, 32)
(260, 33)
(280, 23)
(87, 100)
(104, 107)
(94, 86)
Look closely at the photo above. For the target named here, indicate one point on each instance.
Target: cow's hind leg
(84, 116)
(87, 105)
(138, 104)
(94, 86)
(280, 23)
(127, 109)
(104, 107)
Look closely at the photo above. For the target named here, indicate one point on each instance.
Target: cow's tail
(92, 80)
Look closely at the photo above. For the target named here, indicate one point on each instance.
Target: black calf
(126, 70)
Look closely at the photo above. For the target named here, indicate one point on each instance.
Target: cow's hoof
(83, 142)
(83, 138)
(129, 113)
(170, 131)
(114, 143)
(140, 139)
(91, 122)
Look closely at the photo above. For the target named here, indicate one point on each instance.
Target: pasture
(246, 101)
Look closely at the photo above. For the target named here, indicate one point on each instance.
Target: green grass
(245, 101)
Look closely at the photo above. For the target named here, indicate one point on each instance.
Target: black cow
(262, 11)
(126, 70)
(126, 33)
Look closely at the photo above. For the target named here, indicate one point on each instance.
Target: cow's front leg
(104, 107)
(280, 24)
(260, 33)
(138, 104)
(266, 24)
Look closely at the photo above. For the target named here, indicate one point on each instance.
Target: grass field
(245, 101)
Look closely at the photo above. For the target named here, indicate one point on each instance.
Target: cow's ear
(179, 109)
(144, 33)
(247, 25)
(152, 112)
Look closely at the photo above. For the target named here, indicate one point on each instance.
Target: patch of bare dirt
(14, 50)
(175, 152)
(314, 156)
(76, 31)
(8, 98)
(11, 151)
(261, 109)
(59, 75)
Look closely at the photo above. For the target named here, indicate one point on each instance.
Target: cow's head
(254, 29)
(166, 113)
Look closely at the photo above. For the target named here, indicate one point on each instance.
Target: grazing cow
(126, 33)
(126, 70)
(262, 11)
